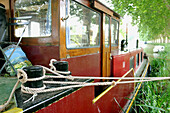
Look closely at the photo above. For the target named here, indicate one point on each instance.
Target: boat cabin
(83, 32)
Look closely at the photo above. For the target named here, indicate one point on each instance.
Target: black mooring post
(34, 72)
(61, 66)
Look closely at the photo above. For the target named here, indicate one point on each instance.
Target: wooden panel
(84, 2)
(106, 61)
(6, 3)
(62, 30)
(106, 10)
(64, 52)
(53, 39)
(99, 6)
(83, 51)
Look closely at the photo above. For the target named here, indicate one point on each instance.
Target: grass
(154, 96)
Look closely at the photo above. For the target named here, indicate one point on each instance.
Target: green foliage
(154, 97)
(158, 64)
(151, 16)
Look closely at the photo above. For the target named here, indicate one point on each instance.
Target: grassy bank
(154, 96)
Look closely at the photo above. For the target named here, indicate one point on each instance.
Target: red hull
(81, 101)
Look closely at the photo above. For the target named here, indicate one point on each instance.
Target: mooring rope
(52, 67)
(34, 90)
(76, 84)
(2, 107)
(22, 77)
(106, 78)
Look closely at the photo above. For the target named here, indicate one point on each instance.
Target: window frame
(137, 59)
(35, 37)
(109, 41)
(132, 63)
(74, 48)
(115, 45)
(141, 56)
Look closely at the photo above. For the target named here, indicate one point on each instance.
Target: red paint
(118, 62)
(88, 65)
(77, 102)
(41, 55)
(80, 101)
(120, 59)
(107, 103)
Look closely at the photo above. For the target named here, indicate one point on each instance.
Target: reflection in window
(107, 31)
(114, 32)
(82, 26)
(40, 24)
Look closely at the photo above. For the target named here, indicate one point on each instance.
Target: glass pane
(82, 26)
(137, 60)
(107, 31)
(132, 62)
(141, 57)
(40, 24)
(114, 32)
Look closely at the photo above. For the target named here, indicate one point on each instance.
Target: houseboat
(82, 38)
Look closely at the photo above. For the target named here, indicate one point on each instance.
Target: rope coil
(23, 78)
(31, 90)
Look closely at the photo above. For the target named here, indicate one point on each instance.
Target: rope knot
(22, 75)
(71, 77)
(114, 83)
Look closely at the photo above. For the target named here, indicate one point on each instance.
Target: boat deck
(7, 83)
(6, 86)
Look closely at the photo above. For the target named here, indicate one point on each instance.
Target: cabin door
(106, 48)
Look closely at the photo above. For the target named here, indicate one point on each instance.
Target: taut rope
(35, 91)
(22, 77)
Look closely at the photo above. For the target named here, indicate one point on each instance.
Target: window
(40, 24)
(82, 26)
(137, 60)
(132, 62)
(107, 31)
(114, 32)
(141, 56)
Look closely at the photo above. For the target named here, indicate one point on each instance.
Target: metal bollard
(61, 66)
(34, 72)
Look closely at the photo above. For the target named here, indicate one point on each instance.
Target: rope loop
(32, 90)
(52, 67)
(22, 75)
(33, 98)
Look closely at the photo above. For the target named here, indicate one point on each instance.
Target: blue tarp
(18, 59)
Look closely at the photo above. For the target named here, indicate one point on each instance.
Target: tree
(151, 16)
